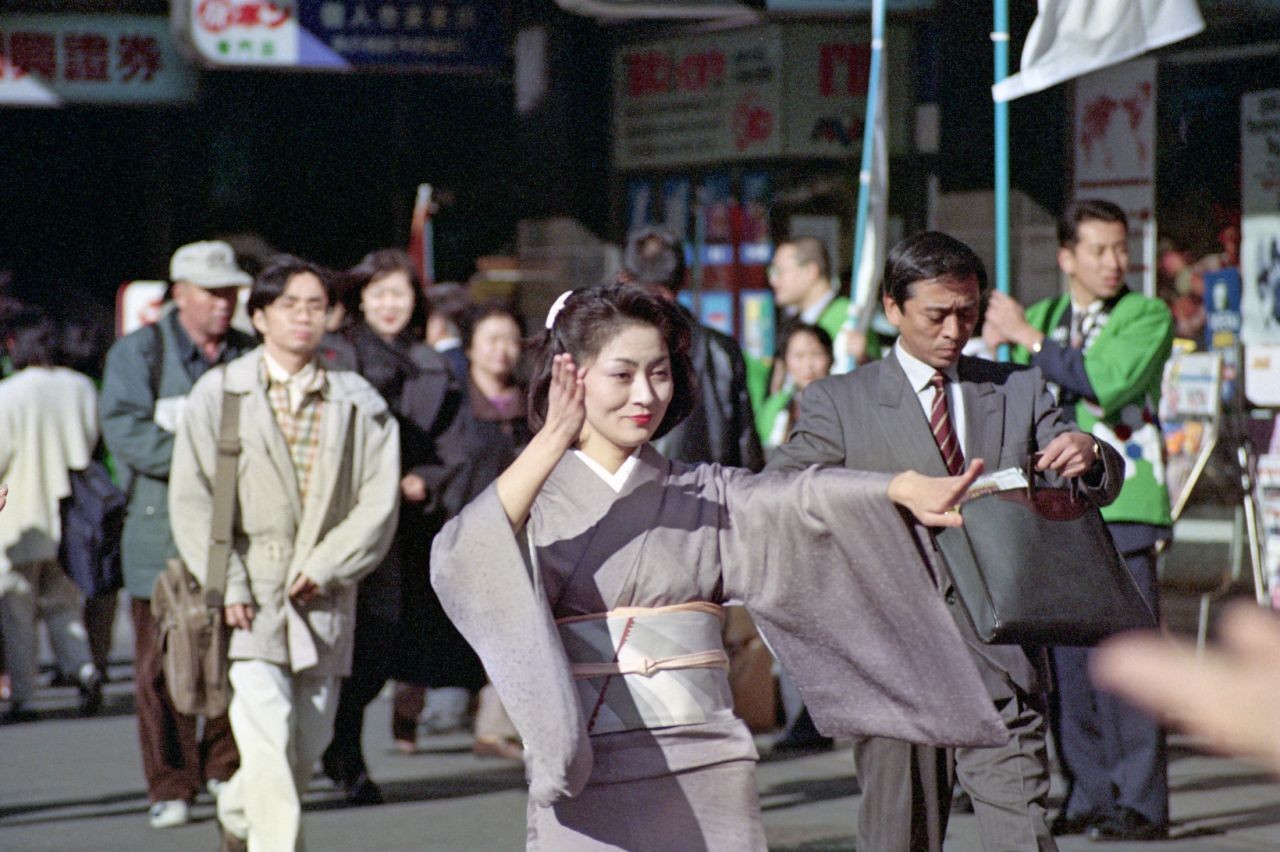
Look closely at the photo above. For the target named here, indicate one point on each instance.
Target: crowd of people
(540, 532)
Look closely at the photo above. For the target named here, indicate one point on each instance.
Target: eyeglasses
(309, 307)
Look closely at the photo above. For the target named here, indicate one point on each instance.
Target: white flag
(1073, 37)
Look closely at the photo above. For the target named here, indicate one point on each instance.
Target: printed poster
(1115, 142)
(1260, 222)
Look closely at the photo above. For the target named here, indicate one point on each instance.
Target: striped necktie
(940, 423)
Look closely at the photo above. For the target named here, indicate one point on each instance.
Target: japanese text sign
(47, 60)
(434, 35)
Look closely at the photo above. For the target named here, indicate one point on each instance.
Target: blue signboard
(422, 35)
(439, 35)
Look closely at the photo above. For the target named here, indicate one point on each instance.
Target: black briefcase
(1037, 566)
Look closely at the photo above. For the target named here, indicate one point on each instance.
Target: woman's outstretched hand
(933, 499)
(566, 411)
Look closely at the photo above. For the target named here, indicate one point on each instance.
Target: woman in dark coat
(497, 430)
(401, 632)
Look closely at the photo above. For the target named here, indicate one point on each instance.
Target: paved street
(74, 784)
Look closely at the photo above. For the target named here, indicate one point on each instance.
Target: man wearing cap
(147, 378)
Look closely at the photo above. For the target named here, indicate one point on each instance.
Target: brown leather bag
(191, 631)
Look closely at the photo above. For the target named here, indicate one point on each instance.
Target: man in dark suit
(924, 407)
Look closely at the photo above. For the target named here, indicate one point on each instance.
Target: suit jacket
(871, 419)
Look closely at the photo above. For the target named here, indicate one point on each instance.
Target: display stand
(1195, 427)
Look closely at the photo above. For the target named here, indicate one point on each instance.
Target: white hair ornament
(556, 307)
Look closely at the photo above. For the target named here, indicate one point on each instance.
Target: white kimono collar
(615, 480)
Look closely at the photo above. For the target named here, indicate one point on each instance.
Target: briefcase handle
(1073, 486)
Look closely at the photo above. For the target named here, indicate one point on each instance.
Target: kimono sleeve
(480, 576)
(831, 574)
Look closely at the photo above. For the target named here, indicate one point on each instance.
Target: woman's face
(806, 360)
(387, 304)
(495, 347)
(628, 388)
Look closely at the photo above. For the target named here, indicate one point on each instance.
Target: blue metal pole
(868, 142)
(864, 173)
(1000, 38)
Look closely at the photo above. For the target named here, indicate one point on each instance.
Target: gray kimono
(822, 559)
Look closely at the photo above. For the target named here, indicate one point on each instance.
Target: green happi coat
(1124, 362)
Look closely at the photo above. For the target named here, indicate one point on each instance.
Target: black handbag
(1037, 566)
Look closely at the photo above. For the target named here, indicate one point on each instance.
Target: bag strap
(155, 367)
(224, 500)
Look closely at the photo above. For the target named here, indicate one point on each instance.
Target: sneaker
(90, 686)
(169, 814)
(215, 787)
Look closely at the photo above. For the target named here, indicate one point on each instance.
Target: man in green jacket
(144, 386)
(1105, 348)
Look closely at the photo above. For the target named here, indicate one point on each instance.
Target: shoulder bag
(191, 632)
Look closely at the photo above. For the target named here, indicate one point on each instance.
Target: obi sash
(642, 667)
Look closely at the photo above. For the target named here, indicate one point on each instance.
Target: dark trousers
(176, 758)
(99, 622)
(371, 662)
(1111, 754)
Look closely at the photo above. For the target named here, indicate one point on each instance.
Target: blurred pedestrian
(806, 356)
(48, 428)
(85, 345)
(392, 636)
(316, 497)
(447, 303)
(1104, 348)
(497, 429)
(147, 378)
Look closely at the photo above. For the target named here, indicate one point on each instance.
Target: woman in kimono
(590, 576)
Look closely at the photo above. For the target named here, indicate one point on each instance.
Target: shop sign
(428, 35)
(1115, 146)
(698, 99)
(50, 60)
(1260, 222)
(825, 103)
(794, 90)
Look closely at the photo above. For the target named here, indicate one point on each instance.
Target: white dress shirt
(920, 377)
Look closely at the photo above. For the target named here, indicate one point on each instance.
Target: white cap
(210, 264)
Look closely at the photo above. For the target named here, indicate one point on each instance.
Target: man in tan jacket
(317, 493)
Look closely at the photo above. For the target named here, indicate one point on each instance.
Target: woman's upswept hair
(589, 319)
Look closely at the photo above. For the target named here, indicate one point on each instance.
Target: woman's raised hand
(566, 410)
(933, 499)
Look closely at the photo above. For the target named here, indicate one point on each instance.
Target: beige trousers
(282, 722)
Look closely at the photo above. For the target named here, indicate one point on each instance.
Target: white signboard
(698, 99)
(725, 96)
(1115, 146)
(240, 32)
(49, 60)
(1260, 222)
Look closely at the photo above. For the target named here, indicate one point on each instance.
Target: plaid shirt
(297, 414)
